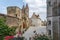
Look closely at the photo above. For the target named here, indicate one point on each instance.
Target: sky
(37, 6)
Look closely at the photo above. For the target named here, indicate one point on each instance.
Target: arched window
(16, 15)
(24, 25)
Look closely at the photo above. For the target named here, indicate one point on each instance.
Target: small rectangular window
(49, 22)
(49, 3)
(49, 32)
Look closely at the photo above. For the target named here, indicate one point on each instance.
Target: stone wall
(12, 21)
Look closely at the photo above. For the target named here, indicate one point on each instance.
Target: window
(59, 9)
(13, 10)
(24, 25)
(49, 22)
(49, 32)
(54, 11)
(49, 3)
(16, 15)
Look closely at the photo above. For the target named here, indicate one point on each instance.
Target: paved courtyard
(30, 32)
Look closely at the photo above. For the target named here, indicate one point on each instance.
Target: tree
(41, 37)
(4, 29)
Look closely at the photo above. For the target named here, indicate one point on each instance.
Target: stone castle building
(53, 18)
(36, 21)
(17, 17)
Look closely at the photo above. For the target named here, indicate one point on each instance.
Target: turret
(27, 6)
(23, 9)
(27, 10)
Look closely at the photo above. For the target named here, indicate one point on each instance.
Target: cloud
(38, 6)
(2, 9)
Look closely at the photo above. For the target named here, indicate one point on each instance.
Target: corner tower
(13, 11)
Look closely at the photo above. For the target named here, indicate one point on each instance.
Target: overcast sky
(38, 6)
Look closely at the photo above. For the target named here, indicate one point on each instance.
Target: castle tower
(23, 9)
(27, 10)
(14, 11)
(25, 17)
